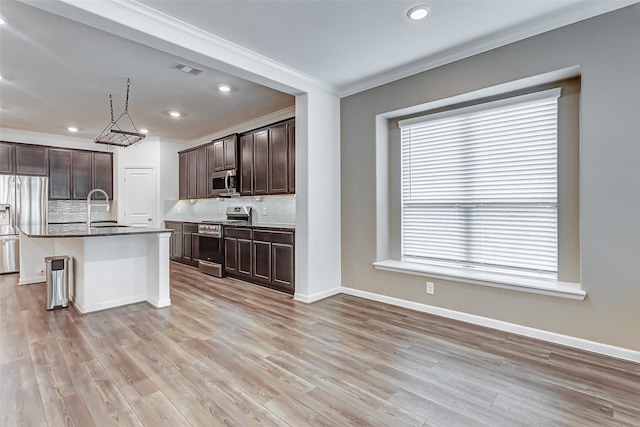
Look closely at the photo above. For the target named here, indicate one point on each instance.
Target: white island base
(108, 270)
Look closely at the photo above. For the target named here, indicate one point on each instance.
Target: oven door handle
(211, 235)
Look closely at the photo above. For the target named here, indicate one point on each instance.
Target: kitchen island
(112, 265)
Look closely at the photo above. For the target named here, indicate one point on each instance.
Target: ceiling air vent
(186, 69)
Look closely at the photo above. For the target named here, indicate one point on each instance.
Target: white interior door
(139, 197)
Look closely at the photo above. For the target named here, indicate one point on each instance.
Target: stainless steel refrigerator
(23, 200)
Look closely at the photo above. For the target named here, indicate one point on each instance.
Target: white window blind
(479, 186)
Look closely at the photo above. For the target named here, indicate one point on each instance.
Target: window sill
(549, 287)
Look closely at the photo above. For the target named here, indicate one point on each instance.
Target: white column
(158, 291)
(318, 272)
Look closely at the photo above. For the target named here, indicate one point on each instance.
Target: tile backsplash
(65, 211)
(266, 209)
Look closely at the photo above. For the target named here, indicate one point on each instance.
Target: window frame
(387, 186)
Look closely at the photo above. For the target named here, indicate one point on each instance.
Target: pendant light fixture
(113, 135)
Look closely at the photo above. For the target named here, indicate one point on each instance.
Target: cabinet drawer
(190, 228)
(273, 236)
(240, 233)
(176, 226)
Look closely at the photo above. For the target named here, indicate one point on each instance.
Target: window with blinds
(479, 186)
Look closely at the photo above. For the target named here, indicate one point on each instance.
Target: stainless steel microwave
(224, 184)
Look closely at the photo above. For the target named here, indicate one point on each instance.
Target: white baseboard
(31, 280)
(580, 343)
(161, 303)
(318, 296)
(89, 308)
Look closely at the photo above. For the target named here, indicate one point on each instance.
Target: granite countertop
(80, 230)
(236, 223)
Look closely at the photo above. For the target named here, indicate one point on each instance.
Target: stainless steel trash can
(57, 281)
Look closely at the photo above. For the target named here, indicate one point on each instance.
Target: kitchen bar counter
(236, 223)
(112, 266)
(80, 230)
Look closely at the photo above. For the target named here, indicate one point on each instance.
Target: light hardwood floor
(229, 353)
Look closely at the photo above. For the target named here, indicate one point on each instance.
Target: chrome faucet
(106, 196)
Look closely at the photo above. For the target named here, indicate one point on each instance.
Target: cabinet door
(211, 167)
(230, 255)
(201, 172)
(195, 249)
(192, 175)
(218, 156)
(262, 260)
(278, 161)
(282, 268)
(291, 139)
(32, 160)
(186, 246)
(176, 240)
(81, 171)
(59, 174)
(176, 248)
(261, 162)
(230, 153)
(245, 257)
(7, 158)
(102, 173)
(246, 165)
(183, 176)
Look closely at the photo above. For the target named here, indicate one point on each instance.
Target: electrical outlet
(264, 211)
(179, 210)
(431, 287)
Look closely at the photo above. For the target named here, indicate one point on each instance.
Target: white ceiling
(58, 72)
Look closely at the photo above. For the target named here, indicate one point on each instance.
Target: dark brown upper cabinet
(197, 164)
(278, 160)
(267, 160)
(183, 176)
(291, 133)
(74, 173)
(195, 173)
(60, 174)
(246, 164)
(224, 154)
(82, 175)
(32, 160)
(201, 173)
(102, 172)
(261, 162)
(7, 158)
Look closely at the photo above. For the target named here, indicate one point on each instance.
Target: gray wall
(607, 48)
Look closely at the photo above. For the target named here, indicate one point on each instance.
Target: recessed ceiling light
(224, 88)
(416, 13)
(174, 113)
(144, 130)
(72, 129)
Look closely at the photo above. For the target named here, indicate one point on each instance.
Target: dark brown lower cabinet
(261, 256)
(175, 240)
(262, 261)
(237, 252)
(184, 245)
(245, 257)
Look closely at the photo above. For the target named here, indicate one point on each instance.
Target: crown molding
(266, 120)
(540, 25)
(149, 26)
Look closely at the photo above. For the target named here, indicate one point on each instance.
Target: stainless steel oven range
(211, 249)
